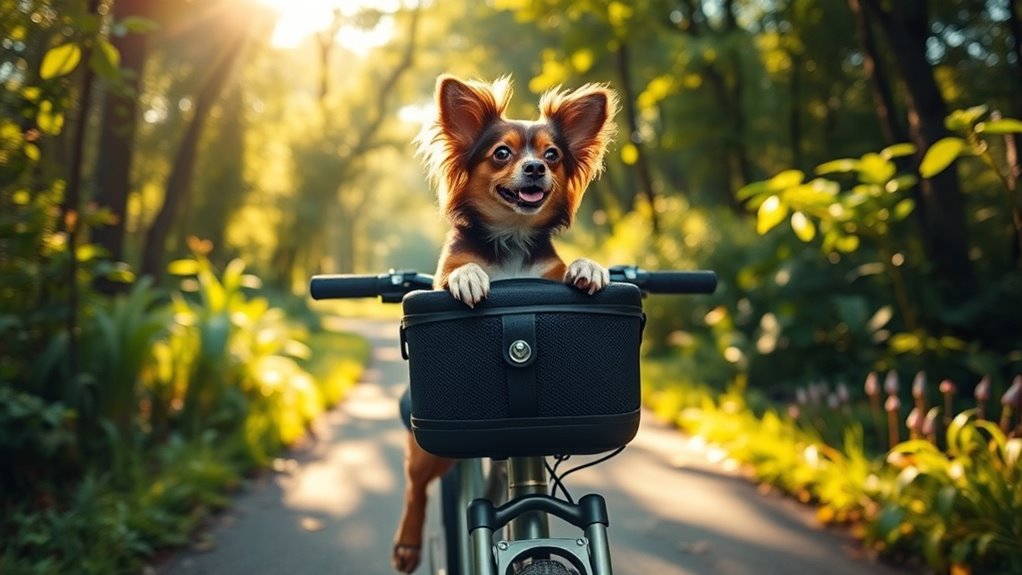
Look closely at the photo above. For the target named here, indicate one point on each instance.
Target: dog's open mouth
(527, 197)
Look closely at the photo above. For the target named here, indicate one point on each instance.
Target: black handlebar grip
(346, 286)
(691, 282)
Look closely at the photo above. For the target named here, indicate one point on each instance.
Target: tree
(232, 45)
(940, 207)
(331, 159)
(117, 137)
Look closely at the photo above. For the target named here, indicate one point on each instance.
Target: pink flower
(919, 386)
(871, 384)
(892, 404)
(930, 422)
(983, 389)
(1013, 397)
(914, 420)
(947, 386)
(891, 383)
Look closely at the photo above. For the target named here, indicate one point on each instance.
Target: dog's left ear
(467, 108)
(584, 118)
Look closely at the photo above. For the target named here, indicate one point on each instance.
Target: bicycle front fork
(589, 555)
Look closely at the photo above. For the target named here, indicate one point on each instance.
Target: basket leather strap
(519, 352)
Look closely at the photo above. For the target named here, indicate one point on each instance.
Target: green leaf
(1002, 126)
(48, 120)
(60, 61)
(754, 189)
(906, 342)
(880, 318)
(902, 182)
(31, 152)
(960, 120)
(841, 166)
(940, 155)
(803, 227)
(898, 151)
(185, 267)
(106, 60)
(771, 212)
(787, 179)
(903, 208)
(875, 169)
(846, 244)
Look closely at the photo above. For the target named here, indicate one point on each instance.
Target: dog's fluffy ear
(584, 117)
(467, 108)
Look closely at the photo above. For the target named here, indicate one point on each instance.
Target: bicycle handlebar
(392, 286)
(676, 282)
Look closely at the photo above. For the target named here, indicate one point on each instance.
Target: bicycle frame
(524, 522)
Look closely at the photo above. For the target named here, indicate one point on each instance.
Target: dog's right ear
(467, 108)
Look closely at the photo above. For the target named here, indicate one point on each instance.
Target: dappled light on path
(371, 403)
(674, 508)
(337, 482)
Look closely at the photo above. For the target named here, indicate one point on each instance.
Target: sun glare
(299, 19)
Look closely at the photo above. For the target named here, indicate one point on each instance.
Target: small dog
(506, 187)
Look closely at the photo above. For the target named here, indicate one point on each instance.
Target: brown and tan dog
(506, 187)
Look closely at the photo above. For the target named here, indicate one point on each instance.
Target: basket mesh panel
(453, 365)
(586, 365)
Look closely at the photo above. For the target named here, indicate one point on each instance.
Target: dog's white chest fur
(514, 245)
(516, 268)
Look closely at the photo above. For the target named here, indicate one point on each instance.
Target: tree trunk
(179, 182)
(795, 111)
(939, 201)
(222, 179)
(70, 209)
(631, 118)
(117, 145)
(1013, 142)
(883, 100)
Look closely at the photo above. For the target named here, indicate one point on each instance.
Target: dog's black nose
(534, 169)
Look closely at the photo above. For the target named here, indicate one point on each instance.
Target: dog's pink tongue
(531, 197)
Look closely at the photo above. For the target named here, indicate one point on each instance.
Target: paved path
(331, 507)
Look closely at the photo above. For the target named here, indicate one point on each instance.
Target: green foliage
(36, 439)
(106, 528)
(955, 506)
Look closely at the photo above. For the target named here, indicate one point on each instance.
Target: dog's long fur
(506, 187)
(502, 237)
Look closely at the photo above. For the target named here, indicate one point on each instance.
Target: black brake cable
(559, 479)
(552, 471)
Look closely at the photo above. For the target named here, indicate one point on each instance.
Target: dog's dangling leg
(421, 468)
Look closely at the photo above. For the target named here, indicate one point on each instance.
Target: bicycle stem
(527, 476)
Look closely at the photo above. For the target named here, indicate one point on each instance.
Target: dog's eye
(502, 154)
(551, 155)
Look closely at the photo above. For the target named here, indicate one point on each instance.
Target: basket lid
(505, 295)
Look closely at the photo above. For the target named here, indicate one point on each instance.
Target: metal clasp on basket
(520, 351)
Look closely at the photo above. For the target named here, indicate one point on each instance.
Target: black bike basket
(537, 368)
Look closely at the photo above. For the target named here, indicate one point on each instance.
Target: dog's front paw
(587, 275)
(469, 284)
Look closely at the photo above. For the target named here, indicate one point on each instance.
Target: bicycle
(485, 535)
